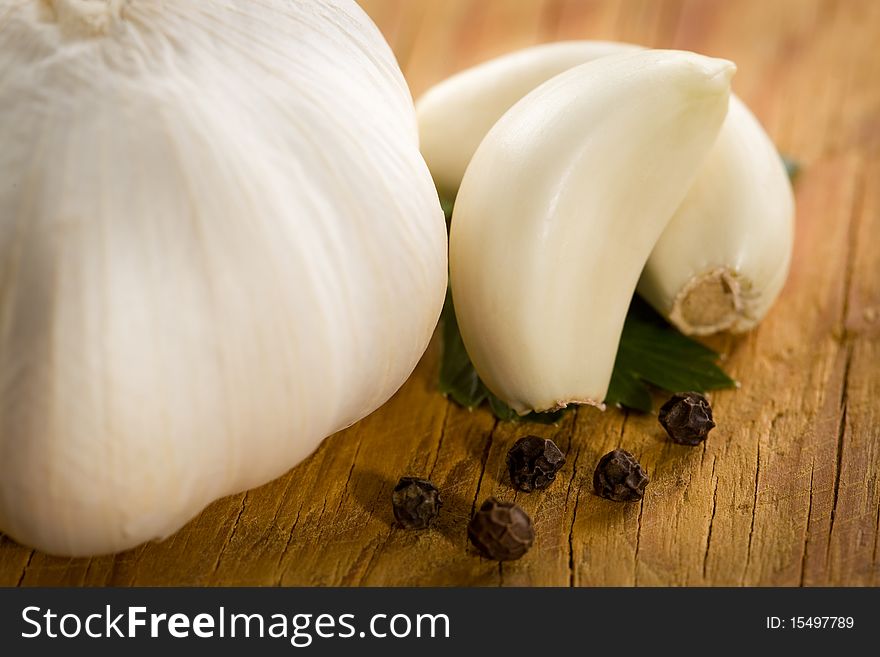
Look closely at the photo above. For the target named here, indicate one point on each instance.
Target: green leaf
(447, 203)
(651, 353)
(792, 167)
(458, 378)
(627, 390)
(501, 410)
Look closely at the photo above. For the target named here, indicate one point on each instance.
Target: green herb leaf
(792, 167)
(651, 352)
(501, 410)
(458, 378)
(626, 389)
(446, 203)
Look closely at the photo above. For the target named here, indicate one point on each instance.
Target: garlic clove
(456, 114)
(558, 212)
(724, 258)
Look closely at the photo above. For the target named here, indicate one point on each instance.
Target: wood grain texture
(785, 491)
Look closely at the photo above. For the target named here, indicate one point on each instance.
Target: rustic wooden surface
(786, 490)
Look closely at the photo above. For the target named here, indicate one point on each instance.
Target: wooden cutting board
(785, 491)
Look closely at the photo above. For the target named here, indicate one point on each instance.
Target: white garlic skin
(558, 212)
(219, 244)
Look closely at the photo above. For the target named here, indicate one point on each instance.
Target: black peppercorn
(501, 530)
(533, 463)
(687, 418)
(416, 502)
(619, 477)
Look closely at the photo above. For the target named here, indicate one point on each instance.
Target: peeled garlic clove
(456, 114)
(219, 244)
(724, 258)
(559, 209)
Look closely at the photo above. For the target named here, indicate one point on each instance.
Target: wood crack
(281, 499)
(807, 531)
(342, 495)
(638, 542)
(641, 510)
(711, 519)
(440, 440)
(571, 571)
(26, 566)
(484, 461)
(577, 499)
(841, 432)
(228, 541)
(859, 194)
(287, 546)
(577, 455)
(754, 513)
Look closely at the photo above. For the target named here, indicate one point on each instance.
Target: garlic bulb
(219, 245)
(723, 259)
(559, 209)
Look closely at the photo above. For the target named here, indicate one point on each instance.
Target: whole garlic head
(218, 245)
